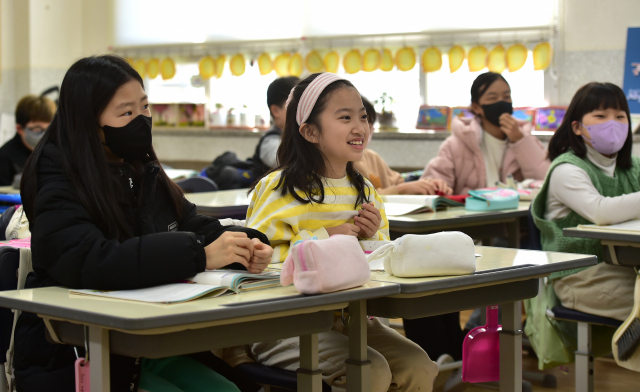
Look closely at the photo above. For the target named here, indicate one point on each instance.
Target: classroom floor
(609, 377)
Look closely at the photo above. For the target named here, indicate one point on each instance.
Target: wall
(592, 43)
(42, 38)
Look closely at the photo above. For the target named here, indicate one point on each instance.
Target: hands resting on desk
(235, 247)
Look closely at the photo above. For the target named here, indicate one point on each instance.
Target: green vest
(623, 182)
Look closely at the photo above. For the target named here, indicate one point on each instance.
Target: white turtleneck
(570, 188)
(493, 150)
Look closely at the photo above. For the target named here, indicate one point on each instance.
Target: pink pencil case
(324, 266)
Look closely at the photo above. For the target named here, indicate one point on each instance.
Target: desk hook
(86, 343)
(344, 323)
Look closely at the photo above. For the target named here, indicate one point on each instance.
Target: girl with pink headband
(315, 191)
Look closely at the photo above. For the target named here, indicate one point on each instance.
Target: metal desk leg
(358, 367)
(511, 348)
(584, 359)
(513, 228)
(309, 375)
(99, 359)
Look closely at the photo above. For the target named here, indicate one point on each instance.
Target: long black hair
(301, 162)
(87, 88)
(590, 97)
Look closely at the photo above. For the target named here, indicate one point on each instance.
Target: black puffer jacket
(70, 250)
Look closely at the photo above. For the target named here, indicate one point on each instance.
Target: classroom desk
(138, 329)
(8, 189)
(221, 204)
(619, 248)
(477, 224)
(503, 276)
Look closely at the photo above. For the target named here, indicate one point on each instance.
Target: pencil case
(492, 199)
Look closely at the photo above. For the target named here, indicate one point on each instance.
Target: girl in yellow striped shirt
(316, 191)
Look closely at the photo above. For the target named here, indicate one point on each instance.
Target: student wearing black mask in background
(490, 146)
(33, 115)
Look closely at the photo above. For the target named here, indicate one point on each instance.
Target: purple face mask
(608, 137)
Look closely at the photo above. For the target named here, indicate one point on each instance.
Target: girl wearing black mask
(104, 215)
(491, 146)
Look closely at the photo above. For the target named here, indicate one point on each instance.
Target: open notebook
(205, 284)
(629, 227)
(396, 205)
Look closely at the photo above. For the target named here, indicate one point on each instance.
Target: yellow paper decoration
(497, 60)
(130, 61)
(237, 65)
(314, 62)
(406, 59)
(220, 65)
(477, 59)
(371, 60)
(456, 57)
(207, 67)
(265, 64)
(141, 66)
(387, 62)
(167, 69)
(295, 65)
(331, 61)
(542, 56)
(516, 57)
(153, 67)
(281, 64)
(352, 61)
(431, 59)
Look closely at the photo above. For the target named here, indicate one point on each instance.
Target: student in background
(267, 148)
(33, 115)
(387, 181)
(593, 179)
(489, 147)
(104, 215)
(326, 130)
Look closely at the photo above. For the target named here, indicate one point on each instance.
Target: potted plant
(386, 118)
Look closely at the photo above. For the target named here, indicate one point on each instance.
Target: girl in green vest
(593, 179)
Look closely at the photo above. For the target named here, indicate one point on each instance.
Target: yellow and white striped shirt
(285, 220)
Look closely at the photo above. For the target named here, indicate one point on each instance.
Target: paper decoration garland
(153, 67)
(542, 54)
(332, 61)
(220, 65)
(456, 57)
(314, 62)
(477, 59)
(167, 69)
(387, 61)
(207, 67)
(516, 57)
(431, 59)
(352, 61)
(406, 59)
(295, 65)
(281, 64)
(237, 65)
(497, 60)
(265, 65)
(371, 60)
(141, 66)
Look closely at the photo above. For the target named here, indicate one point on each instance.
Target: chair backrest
(535, 243)
(197, 184)
(4, 221)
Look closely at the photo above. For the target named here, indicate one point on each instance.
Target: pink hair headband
(311, 94)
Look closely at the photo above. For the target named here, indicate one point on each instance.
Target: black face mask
(493, 112)
(133, 141)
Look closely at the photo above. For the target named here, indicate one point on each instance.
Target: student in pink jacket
(489, 147)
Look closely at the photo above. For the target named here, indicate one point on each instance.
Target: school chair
(4, 221)
(197, 184)
(269, 377)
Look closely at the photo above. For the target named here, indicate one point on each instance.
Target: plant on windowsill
(386, 117)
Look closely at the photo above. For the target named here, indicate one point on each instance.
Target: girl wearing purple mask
(593, 179)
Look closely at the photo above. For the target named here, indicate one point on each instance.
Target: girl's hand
(345, 229)
(441, 185)
(418, 187)
(510, 127)
(368, 220)
(230, 247)
(261, 257)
